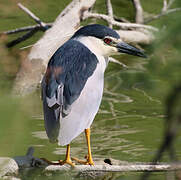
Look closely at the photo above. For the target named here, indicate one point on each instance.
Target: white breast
(84, 109)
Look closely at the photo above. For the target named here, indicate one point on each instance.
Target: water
(128, 127)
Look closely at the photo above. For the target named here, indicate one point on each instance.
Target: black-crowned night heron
(72, 87)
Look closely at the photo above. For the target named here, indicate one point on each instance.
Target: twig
(164, 6)
(165, 11)
(162, 14)
(22, 48)
(122, 25)
(121, 19)
(110, 12)
(170, 3)
(167, 5)
(33, 16)
(111, 59)
(22, 38)
(41, 26)
(139, 12)
(26, 28)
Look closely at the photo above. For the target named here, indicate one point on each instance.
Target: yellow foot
(89, 161)
(67, 161)
(60, 162)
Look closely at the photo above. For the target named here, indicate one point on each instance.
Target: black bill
(128, 49)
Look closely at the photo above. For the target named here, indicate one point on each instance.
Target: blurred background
(130, 123)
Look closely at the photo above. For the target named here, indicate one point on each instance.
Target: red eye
(107, 40)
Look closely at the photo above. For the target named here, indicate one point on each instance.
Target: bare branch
(165, 11)
(18, 30)
(138, 37)
(121, 19)
(26, 28)
(122, 25)
(139, 12)
(31, 14)
(117, 168)
(170, 3)
(109, 12)
(22, 38)
(12, 166)
(162, 14)
(111, 59)
(32, 29)
(165, 6)
(34, 65)
(29, 46)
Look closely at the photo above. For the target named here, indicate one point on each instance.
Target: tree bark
(34, 65)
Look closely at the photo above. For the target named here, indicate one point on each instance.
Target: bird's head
(105, 41)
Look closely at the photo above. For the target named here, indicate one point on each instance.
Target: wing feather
(66, 75)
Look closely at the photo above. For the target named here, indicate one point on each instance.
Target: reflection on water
(40, 134)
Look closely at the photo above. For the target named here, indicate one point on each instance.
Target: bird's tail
(51, 116)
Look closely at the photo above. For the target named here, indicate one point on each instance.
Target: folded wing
(66, 75)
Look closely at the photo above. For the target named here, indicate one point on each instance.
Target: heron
(72, 87)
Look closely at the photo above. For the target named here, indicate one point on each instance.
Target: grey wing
(66, 75)
(51, 115)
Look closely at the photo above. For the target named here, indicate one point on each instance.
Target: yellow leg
(60, 162)
(89, 156)
(67, 158)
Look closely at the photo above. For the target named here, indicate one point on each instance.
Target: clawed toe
(50, 162)
(86, 162)
(60, 162)
(67, 162)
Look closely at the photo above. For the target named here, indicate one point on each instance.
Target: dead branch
(170, 3)
(34, 66)
(121, 19)
(110, 12)
(162, 14)
(22, 38)
(41, 26)
(164, 5)
(26, 28)
(11, 166)
(118, 168)
(111, 59)
(124, 26)
(164, 11)
(135, 36)
(139, 12)
(33, 16)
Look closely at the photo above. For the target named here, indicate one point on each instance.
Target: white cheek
(109, 50)
(114, 50)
